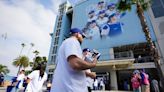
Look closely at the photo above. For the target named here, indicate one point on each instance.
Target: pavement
(112, 91)
(3, 89)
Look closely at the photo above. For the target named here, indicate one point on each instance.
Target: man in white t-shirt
(95, 84)
(87, 56)
(69, 75)
(36, 79)
(20, 80)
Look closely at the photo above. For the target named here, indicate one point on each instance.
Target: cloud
(25, 21)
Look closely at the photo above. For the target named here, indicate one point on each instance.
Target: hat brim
(83, 35)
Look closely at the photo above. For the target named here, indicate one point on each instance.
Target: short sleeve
(45, 78)
(32, 74)
(71, 48)
(88, 70)
(19, 77)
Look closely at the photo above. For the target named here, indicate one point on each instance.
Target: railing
(116, 56)
(143, 59)
(125, 55)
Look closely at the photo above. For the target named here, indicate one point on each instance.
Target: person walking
(101, 84)
(1, 79)
(87, 56)
(49, 86)
(36, 79)
(20, 79)
(95, 84)
(135, 80)
(69, 75)
(155, 85)
(145, 84)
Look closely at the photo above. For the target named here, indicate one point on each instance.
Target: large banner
(103, 20)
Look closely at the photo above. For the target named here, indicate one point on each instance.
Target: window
(161, 27)
(53, 59)
(53, 50)
(126, 54)
(51, 70)
(158, 8)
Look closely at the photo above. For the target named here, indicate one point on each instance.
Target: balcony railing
(143, 59)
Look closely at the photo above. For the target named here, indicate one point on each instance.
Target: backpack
(144, 79)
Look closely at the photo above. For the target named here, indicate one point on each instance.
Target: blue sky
(25, 21)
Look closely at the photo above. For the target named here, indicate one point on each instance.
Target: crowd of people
(141, 83)
(30, 83)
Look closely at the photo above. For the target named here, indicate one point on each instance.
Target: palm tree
(143, 5)
(21, 61)
(23, 45)
(44, 59)
(36, 53)
(4, 69)
(32, 45)
(31, 64)
(38, 60)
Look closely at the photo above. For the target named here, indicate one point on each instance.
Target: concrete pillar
(113, 79)
(111, 53)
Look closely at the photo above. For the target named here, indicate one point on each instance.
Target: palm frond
(145, 6)
(23, 45)
(4, 69)
(124, 5)
(22, 61)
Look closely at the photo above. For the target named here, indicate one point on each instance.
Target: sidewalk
(112, 91)
(2, 89)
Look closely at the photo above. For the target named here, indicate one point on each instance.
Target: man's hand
(78, 64)
(95, 60)
(91, 74)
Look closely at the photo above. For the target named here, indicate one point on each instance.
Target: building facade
(118, 36)
(157, 18)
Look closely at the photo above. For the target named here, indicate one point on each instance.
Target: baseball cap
(86, 49)
(92, 11)
(102, 12)
(76, 30)
(93, 21)
(114, 14)
(111, 5)
(101, 2)
(136, 71)
(105, 27)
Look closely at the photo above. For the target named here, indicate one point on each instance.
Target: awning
(106, 66)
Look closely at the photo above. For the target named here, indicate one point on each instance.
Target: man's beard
(80, 42)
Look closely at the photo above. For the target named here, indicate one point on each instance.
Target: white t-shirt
(89, 80)
(102, 21)
(36, 82)
(65, 78)
(20, 79)
(95, 83)
(95, 32)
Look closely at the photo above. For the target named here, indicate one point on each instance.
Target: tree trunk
(29, 51)
(153, 50)
(21, 51)
(19, 70)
